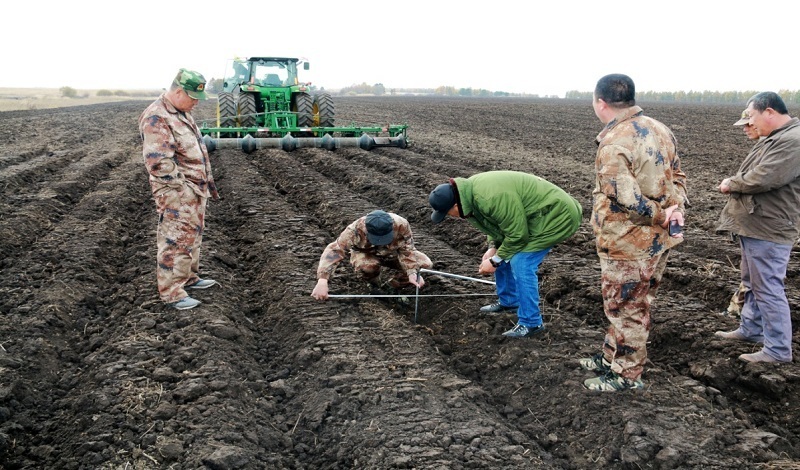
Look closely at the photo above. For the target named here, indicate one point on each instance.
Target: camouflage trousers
(737, 301)
(369, 267)
(179, 235)
(629, 287)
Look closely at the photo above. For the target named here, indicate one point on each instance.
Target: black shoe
(497, 308)
(522, 331)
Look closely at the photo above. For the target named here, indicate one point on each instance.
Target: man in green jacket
(523, 216)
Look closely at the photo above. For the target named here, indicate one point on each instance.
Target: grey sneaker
(737, 335)
(497, 308)
(612, 382)
(522, 331)
(596, 363)
(185, 303)
(759, 356)
(202, 284)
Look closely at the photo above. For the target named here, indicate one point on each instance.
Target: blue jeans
(517, 284)
(765, 312)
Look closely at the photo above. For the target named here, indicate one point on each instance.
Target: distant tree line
(789, 96)
(69, 92)
(380, 89)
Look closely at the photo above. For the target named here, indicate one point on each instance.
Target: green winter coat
(519, 212)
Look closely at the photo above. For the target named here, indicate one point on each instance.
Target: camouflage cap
(193, 83)
(745, 119)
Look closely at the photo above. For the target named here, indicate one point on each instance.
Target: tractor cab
(262, 72)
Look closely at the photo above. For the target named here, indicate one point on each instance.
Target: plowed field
(96, 373)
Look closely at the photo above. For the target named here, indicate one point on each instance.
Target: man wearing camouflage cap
(180, 177)
(737, 299)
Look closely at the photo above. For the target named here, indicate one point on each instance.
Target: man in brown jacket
(764, 210)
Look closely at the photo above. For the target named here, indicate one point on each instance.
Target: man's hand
(486, 266)
(320, 291)
(672, 214)
(489, 253)
(416, 280)
(725, 186)
(212, 188)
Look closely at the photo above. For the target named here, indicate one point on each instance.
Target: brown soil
(96, 373)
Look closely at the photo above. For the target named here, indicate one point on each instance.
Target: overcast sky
(521, 46)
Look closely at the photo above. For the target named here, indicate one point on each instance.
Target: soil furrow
(48, 197)
(367, 346)
(95, 372)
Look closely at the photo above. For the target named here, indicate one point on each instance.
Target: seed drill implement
(263, 104)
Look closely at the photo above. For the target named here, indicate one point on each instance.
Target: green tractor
(263, 104)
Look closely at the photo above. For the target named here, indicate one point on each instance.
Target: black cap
(442, 199)
(380, 228)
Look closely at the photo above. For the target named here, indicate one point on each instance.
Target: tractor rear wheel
(247, 109)
(304, 107)
(226, 110)
(323, 110)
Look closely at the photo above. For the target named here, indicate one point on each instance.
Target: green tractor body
(263, 104)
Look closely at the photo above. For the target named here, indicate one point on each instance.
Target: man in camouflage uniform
(379, 239)
(639, 190)
(737, 299)
(180, 177)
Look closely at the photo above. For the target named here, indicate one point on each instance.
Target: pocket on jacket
(749, 203)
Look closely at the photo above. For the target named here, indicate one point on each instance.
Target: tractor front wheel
(226, 110)
(247, 109)
(304, 107)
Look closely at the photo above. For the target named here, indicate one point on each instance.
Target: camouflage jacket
(354, 237)
(638, 175)
(173, 150)
(765, 193)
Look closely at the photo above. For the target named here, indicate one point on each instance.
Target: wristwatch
(496, 260)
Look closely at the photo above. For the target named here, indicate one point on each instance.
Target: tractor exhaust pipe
(288, 143)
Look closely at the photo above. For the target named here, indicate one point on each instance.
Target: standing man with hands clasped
(180, 177)
(764, 211)
(523, 216)
(639, 190)
(737, 299)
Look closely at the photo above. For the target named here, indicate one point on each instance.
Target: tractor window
(240, 69)
(237, 71)
(271, 74)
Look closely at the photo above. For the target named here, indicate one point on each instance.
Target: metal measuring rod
(417, 295)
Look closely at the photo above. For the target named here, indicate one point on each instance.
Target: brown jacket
(765, 193)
